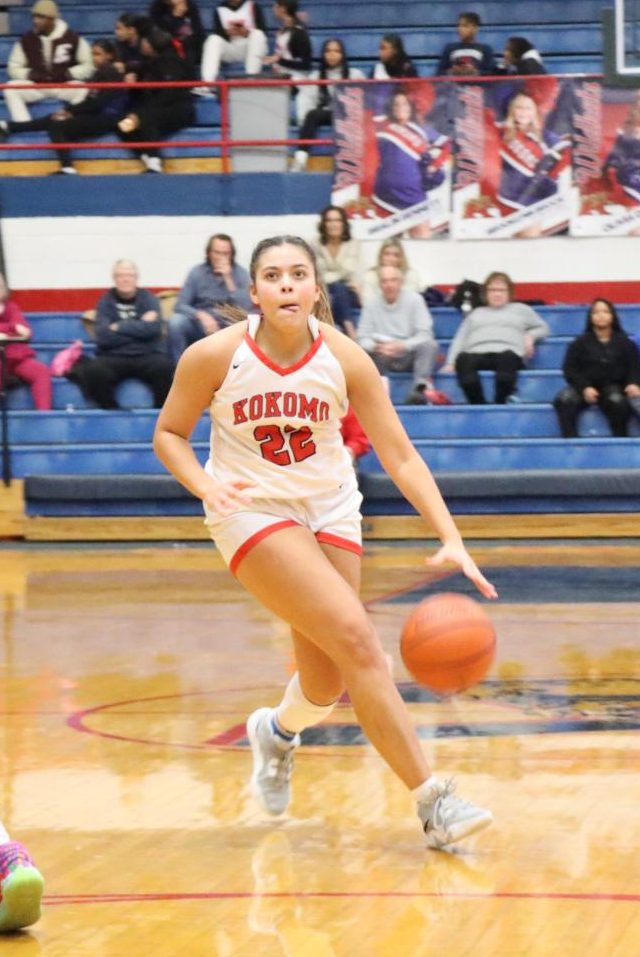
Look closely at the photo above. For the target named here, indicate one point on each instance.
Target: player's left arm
(398, 456)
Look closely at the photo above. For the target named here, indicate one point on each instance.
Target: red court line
(61, 899)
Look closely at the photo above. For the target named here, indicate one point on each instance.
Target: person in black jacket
(181, 19)
(129, 342)
(602, 367)
(392, 59)
(156, 113)
(292, 55)
(97, 114)
(521, 57)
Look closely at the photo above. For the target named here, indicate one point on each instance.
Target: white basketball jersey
(279, 428)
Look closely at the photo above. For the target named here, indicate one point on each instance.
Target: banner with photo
(512, 141)
(519, 157)
(606, 160)
(393, 157)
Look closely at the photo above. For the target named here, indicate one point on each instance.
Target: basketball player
(282, 505)
(20, 885)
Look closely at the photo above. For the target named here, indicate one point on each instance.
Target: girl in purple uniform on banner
(412, 160)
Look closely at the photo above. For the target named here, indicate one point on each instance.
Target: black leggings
(611, 399)
(506, 366)
(312, 121)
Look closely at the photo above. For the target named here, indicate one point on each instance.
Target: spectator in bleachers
(128, 32)
(521, 57)
(50, 53)
(392, 61)
(391, 253)
(602, 367)
(129, 342)
(466, 56)
(156, 113)
(411, 160)
(291, 58)
(97, 114)
(396, 329)
(337, 259)
(20, 358)
(181, 20)
(499, 336)
(210, 286)
(239, 36)
(315, 103)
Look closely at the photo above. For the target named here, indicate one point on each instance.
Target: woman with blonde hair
(391, 253)
(531, 157)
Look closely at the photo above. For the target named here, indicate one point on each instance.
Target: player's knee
(360, 647)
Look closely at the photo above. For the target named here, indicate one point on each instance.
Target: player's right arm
(200, 373)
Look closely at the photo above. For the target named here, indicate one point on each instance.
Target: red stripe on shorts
(246, 547)
(339, 542)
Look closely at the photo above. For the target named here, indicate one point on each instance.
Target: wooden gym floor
(126, 674)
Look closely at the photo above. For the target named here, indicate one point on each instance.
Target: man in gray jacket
(396, 329)
(217, 282)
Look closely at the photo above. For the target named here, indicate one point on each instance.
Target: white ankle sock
(295, 712)
(428, 791)
(4, 836)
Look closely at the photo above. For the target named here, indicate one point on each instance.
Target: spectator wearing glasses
(499, 336)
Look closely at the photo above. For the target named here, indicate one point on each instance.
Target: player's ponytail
(322, 310)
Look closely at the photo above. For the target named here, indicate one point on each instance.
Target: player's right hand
(227, 497)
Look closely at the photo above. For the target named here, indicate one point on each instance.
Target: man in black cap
(50, 53)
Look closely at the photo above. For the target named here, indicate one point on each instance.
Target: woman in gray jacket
(498, 336)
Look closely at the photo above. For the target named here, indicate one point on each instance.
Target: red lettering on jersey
(256, 407)
(307, 408)
(272, 405)
(289, 404)
(239, 414)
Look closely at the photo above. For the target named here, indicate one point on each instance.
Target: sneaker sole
(252, 734)
(436, 840)
(21, 899)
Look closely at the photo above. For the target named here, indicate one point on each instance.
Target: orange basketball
(448, 643)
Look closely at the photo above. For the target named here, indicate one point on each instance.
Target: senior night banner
(393, 158)
(606, 160)
(513, 158)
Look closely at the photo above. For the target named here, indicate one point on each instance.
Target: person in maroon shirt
(20, 359)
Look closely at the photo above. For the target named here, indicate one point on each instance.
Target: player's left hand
(458, 555)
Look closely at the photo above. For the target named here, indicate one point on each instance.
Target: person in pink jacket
(20, 358)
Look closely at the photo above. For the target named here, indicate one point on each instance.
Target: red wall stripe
(77, 300)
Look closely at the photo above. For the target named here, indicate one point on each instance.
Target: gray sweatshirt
(203, 289)
(407, 319)
(497, 330)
